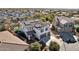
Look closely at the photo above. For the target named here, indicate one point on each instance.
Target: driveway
(70, 46)
(64, 46)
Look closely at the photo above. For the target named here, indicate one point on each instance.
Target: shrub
(36, 46)
(77, 29)
(54, 46)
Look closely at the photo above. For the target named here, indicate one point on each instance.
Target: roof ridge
(14, 43)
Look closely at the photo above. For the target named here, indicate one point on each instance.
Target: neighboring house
(9, 42)
(76, 23)
(36, 29)
(63, 24)
(65, 27)
(75, 19)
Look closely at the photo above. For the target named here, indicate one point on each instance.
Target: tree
(37, 15)
(53, 28)
(50, 17)
(7, 24)
(43, 19)
(54, 46)
(2, 28)
(77, 29)
(45, 49)
(36, 46)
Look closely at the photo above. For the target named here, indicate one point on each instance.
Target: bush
(2, 29)
(53, 28)
(36, 46)
(77, 29)
(54, 46)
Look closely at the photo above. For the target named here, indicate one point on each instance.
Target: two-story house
(37, 29)
(65, 27)
(64, 24)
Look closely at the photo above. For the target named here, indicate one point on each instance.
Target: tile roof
(7, 37)
(64, 19)
(12, 47)
(9, 42)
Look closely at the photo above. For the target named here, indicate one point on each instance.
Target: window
(65, 25)
(29, 32)
(48, 33)
(42, 30)
(34, 31)
(46, 29)
(43, 35)
(70, 25)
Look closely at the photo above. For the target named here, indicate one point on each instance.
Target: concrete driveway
(64, 46)
(72, 46)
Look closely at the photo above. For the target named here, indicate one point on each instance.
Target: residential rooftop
(30, 24)
(7, 37)
(64, 19)
(9, 42)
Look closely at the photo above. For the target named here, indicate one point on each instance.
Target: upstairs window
(70, 25)
(65, 25)
(46, 29)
